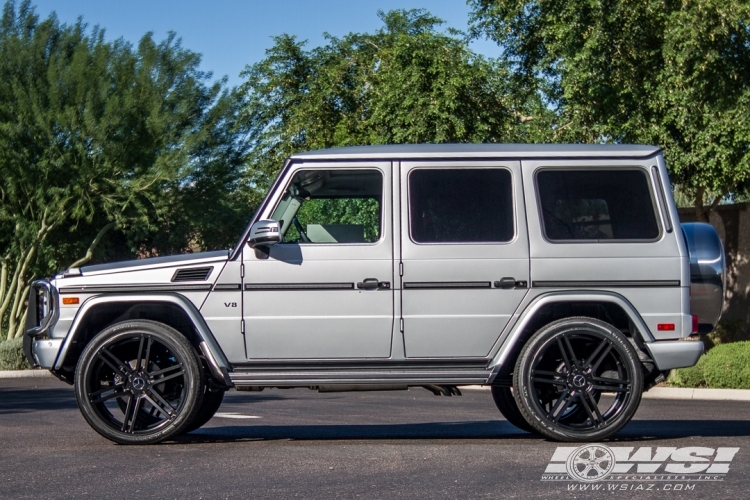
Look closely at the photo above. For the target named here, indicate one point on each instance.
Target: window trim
(294, 171)
(514, 236)
(584, 168)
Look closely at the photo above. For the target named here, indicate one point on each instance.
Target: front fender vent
(192, 274)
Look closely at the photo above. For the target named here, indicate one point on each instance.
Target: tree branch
(90, 251)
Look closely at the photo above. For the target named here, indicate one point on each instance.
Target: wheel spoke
(128, 413)
(571, 353)
(595, 416)
(601, 357)
(537, 380)
(140, 352)
(117, 391)
(164, 370)
(598, 349)
(169, 377)
(162, 404)
(564, 355)
(611, 384)
(606, 380)
(123, 366)
(148, 353)
(121, 370)
(609, 388)
(565, 400)
(134, 418)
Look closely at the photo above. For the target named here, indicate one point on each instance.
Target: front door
(325, 291)
(465, 255)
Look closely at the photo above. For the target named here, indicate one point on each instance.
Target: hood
(156, 262)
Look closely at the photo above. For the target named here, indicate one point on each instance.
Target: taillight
(695, 324)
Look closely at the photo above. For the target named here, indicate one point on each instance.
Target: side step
(409, 377)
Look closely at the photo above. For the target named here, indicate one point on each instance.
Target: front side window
(461, 205)
(332, 206)
(599, 205)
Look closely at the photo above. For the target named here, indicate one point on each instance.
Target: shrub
(11, 355)
(726, 366)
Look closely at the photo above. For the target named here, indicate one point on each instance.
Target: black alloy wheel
(578, 379)
(506, 403)
(211, 402)
(139, 382)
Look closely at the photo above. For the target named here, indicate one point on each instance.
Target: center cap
(579, 380)
(138, 383)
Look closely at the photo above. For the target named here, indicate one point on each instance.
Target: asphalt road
(302, 444)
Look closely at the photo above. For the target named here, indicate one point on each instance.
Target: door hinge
(402, 325)
(242, 326)
(242, 270)
(400, 268)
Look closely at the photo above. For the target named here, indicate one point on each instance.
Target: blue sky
(233, 33)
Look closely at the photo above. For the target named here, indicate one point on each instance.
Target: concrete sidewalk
(24, 373)
(673, 393)
(655, 393)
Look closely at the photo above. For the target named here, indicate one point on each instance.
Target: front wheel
(139, 382)
(211, 403)
(578, 379)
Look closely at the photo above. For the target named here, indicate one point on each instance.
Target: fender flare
(501, 357)
(217, 361)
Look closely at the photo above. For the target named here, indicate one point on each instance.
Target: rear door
(464, 255)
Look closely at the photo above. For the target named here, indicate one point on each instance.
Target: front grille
(192, 274)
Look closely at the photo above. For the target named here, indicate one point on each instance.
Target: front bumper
(39, 349)
(670, 354)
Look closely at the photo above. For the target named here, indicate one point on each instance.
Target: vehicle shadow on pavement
(640, 430)
(647, 430)
(23, 400)
(432, 430)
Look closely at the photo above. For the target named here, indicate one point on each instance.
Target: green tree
(666, 72)
(101, 141)
(405, 83)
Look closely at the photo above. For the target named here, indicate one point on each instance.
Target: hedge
(11, 355)
(726, 366)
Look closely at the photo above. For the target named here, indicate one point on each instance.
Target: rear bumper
(670, 354)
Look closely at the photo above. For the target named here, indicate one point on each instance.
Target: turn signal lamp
(70, 301)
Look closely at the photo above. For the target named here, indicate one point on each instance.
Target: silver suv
(559, 275)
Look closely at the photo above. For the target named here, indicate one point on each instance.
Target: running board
(301, 378)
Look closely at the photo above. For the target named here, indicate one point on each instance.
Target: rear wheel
(139, 382)
(578, 379)
(503, 397)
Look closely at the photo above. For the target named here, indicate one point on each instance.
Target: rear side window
(600, 205)
(461, 205)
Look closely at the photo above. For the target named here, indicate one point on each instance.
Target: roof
(477, 151)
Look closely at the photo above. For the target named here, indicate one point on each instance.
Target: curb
(672, 393)
(25, 374)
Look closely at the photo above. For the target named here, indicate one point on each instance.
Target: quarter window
(600, 205)
(461, 205)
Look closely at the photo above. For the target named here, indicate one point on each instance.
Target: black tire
(506, 403)
(211, 403)
(571, 362)
(151, 370)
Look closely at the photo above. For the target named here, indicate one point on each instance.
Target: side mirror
(264, 233)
